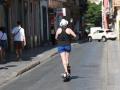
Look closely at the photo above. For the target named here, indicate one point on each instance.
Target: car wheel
(98, 40)
(104, 39)
(114, 38)
(90, 39)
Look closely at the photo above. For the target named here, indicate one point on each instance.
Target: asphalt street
(89, 68)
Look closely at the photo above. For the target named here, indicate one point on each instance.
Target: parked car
(102, 35)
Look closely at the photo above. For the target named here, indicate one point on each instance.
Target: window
(101, 31)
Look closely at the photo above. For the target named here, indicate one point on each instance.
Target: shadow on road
(75, 77)
(28, 53)
(7, 66)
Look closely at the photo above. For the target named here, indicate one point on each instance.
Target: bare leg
(64, 61)
(3, 54)
(68, 66)
(17, 53)
(0, 54)
(67, 55)
(20, 52)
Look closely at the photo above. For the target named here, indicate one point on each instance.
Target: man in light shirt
(3, 43)
(0, 46)
(19, 39)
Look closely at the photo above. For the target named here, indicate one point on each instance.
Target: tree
(93, 15)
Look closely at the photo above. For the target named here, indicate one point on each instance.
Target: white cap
(63, 22)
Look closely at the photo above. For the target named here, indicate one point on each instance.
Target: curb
(33, 64)
(28, 68)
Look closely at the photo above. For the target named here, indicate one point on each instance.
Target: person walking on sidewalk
(19, 39)
(52, 35)
(63, 37)
(3, 43)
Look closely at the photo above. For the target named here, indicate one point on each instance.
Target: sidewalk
(113, 66)
(30, 59)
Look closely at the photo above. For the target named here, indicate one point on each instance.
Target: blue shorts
(64, 48)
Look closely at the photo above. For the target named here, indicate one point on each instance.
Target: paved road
(89, 63)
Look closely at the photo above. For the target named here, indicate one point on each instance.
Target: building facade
(34, 17)
(116, 16)
(2, 15)
(70, 9)
(55, 9)
(37, 16)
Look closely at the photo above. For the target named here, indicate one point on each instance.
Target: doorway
(44, 12)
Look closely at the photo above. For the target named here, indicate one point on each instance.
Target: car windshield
(109, 31)
(101, 31)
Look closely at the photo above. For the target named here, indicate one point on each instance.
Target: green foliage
(93, 15)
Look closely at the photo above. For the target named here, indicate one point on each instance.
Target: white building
(95, 1)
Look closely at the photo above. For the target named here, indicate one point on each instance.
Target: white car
(111, 35)
(101, 35)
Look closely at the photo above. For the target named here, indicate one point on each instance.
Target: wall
(29, 13)
(44, 21)
(2, 16)
(117, 26)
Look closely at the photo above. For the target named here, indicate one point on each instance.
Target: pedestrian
(52, 35)
(19, 39)
(63, 37)
(3, 43)
(0, 54)
(0, 45)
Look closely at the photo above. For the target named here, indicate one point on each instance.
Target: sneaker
(67, 78)
(64, 75)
